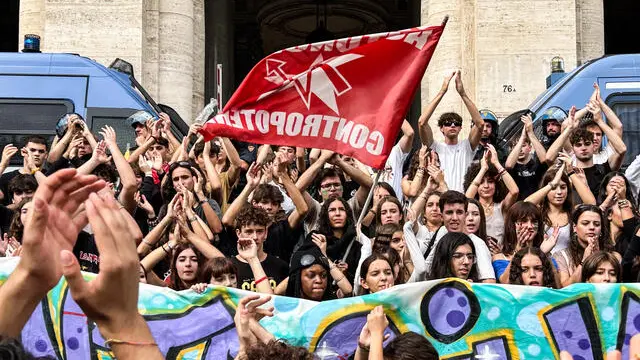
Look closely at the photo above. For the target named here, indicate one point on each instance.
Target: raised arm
(612, 118)
(472, 190)
(478, 123)
(308, 177)
(540, 151)
(155, 132)
(298, 214)
(248, 250)
(557, 145)
(127, 176)
(60, 147)
(578, 181)
(412, 188)
(253, 180)
(538, 197)
(301, 165)
(235, 163)
(406, 141)
(512, 159)
(620, 149)
(166, 130)
(424, 129)
(203, 245)
(357, 175)
(509, 183)
(419, 264)
(336, 274)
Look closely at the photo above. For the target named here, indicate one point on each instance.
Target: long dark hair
(576, 251)
(413, 169)
(441, 267)
(567, 206)
(168, 191)
(324, 225)
(515, 276)
(482, 228)
(492, 173)
(591, 263)
(521, 211)
(177, 283)
(391, 199)
(602, 193)
(364, 268)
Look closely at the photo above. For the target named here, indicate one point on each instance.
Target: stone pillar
(176, 56)
(31, 21)
(151, 42)
(589, 29)
(197, 101)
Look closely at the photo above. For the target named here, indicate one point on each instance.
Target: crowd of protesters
(185, 213)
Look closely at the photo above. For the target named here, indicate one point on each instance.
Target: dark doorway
(9, 25)
(621, 30)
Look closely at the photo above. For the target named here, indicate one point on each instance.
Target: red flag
(348, 95)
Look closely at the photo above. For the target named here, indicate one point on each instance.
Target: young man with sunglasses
(455, 155)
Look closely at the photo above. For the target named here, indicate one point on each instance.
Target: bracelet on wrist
(571, 173)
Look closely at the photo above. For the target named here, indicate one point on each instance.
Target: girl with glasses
(455, 256)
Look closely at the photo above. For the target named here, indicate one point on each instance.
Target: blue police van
(36, 89)
(619, 79)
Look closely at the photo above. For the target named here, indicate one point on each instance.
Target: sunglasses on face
(451, 123)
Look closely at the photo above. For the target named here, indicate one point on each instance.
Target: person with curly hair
(530, 266)
(494, 188)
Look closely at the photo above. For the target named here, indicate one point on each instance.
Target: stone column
(198, 56)
(176, 56)
(31, 21)
(589, 29)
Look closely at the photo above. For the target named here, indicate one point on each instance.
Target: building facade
(504, 48)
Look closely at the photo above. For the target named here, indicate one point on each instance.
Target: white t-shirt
(454, 161)
(392, 173)
(485, 268)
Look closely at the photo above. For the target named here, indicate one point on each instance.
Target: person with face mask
(453, 206)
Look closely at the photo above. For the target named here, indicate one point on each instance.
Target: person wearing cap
(489, 135)
(309, 272)
(455, 155)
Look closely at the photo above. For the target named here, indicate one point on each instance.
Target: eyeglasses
(331, 185)
(461, 256)
(451, 123)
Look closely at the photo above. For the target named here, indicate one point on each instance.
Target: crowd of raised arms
(186, 214)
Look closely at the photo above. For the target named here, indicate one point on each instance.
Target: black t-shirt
(527, 176)
(281, 240)
(5, 179)
(86, 252)
(275, 269)
(594, 175)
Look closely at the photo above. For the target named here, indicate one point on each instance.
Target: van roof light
(31, 43)
(122, 66)
(557, 65)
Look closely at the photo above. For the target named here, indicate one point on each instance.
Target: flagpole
(363, 213)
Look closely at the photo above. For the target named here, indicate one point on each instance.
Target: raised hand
(110, 299)
(194, 129)
(145, 164)
(165, 120)
(199, 288)
(557, 178)
(377, 321)
(550, 242)
(423, 157)
(253, 175)
(321, 241)
(109, 135)
(528, 123)
(447, 81)
(459, 85)
(7, 153)
(247, 312)
(494, 155)
(247, 248)
(51, 225)
(100, 153)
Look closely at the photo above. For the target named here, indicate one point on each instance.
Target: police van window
(627, 107)
(124, 132)
(20, 118)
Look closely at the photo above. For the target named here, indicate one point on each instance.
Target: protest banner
(349, 95)
(462, 320)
